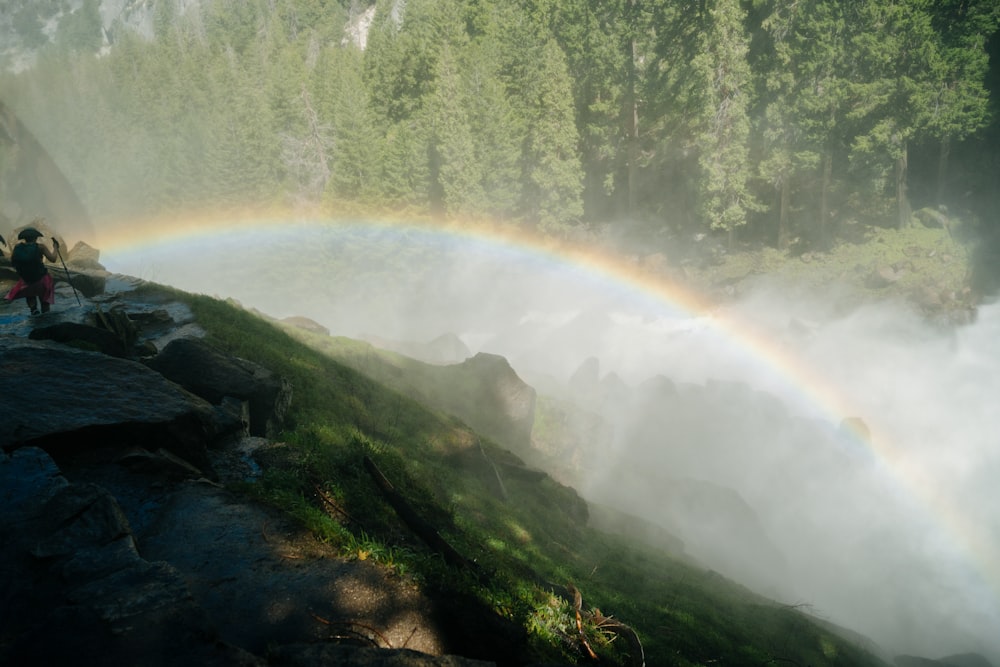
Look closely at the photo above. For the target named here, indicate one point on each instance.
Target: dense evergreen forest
(760, 120)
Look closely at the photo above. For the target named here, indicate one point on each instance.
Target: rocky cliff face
(27, 26)
(117, 544)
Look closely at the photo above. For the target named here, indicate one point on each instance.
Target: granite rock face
(115, 549)
(63, 398)
(133, 566)
(75, 586)
(206, 372)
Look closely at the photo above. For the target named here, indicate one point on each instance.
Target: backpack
(27, 261)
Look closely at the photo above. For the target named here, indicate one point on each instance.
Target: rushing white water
(894, 533)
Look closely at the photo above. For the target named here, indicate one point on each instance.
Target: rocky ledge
(119, 544)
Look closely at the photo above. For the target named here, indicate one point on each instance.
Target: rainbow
(774, 359)
(628, 277)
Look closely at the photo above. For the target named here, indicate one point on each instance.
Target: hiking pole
(55, 242)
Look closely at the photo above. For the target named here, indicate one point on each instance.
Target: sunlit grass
(526, 548)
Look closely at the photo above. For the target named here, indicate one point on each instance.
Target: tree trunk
(942, 175)
(902, 197)
(824, 197)
(631, 116)
(784, 196)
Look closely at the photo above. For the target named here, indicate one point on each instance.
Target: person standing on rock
(35, 281)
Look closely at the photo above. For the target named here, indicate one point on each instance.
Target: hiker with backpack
(35, 282)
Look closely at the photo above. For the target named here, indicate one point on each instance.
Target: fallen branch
(366, 632)
(424, 530)
(622, 630)
(331, 505)
(609, 624)
(577, 606)
(496, 482)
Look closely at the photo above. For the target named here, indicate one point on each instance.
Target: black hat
(29, 234)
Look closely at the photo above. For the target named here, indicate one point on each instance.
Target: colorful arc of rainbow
(982, 555)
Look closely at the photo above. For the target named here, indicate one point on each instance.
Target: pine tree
(344, 102)
(457, 174)
(959, 101)
(553, 178)
(723, 77)
(404, 44)
(895, 50)
(497, 130)
(803, 85)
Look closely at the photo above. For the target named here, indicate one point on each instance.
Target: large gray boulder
(487, 394)
(212, 375)
(65, 399)
(89, 283)
(445, 349)
(76, 590)
(83, 336)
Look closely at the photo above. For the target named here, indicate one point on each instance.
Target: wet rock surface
(117, 547)
(141, 568)
(76, 590)
(208, 373)
(56, 390)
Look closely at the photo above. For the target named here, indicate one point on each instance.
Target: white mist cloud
(896, 538)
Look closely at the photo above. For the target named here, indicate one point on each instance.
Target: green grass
(526, 548)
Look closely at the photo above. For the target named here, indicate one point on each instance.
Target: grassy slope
(525, 547)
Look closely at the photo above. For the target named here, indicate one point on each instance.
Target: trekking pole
(66, 269)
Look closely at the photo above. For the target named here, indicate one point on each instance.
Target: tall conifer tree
(723, 79)
(553, 177)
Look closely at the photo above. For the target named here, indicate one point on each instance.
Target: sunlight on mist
(729, 433)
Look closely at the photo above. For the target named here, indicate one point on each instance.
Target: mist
(890, 529)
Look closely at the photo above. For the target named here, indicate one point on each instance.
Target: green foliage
(344, 103)
(723, 125)
(802, 98)
(553, 179)
(526, 548)
(458, 173)
(80, 32)
(556, 115)
(27, 22)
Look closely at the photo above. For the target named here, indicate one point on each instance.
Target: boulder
(28, 478)
(212, 375)
(76, 590)
(493, 400)
(633, 528)
(88, 283)
(55, 391)
(82, 336)
(932, 218)
(585, 380)
(445, 349)
(883, 276)
(717, 526)
(306, 324)
(83, 256)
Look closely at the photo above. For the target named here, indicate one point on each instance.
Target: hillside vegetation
(721, 143)
(522, 550)
(771, 122)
